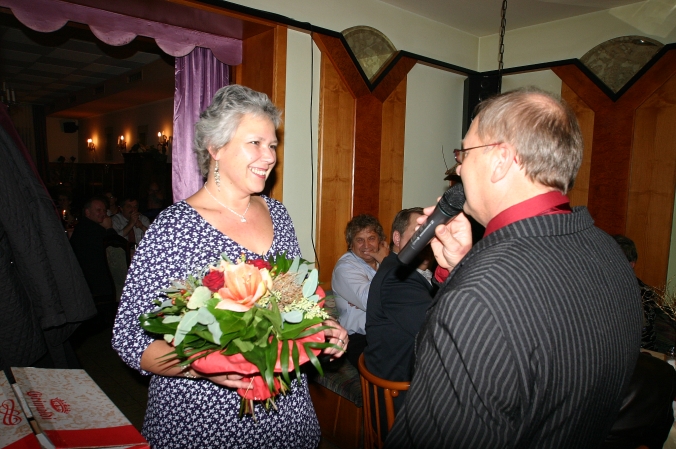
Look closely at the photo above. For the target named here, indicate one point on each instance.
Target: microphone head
(453, 200)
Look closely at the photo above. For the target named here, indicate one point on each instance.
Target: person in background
(112, 206)
(534, 336)
(352, 275)
(648, 296)
(235, 143)
(154, 201)
(129, 223)
(88, 243)
(397, 303)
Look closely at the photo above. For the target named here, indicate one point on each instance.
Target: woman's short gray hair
(218, 122)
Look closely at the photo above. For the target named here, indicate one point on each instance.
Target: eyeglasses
(460, 154)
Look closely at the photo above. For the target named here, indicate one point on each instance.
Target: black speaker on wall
(70, 127)
(477, 89)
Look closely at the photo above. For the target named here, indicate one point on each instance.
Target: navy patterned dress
(186, 413)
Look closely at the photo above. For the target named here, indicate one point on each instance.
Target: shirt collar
(549, 203)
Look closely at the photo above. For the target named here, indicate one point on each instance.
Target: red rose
(214, 280)
(260, 264)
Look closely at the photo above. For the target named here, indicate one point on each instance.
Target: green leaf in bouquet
(243, 345)
(311, 355)
(168, 338)
(312, 331)
(295, 356)
(301, 274)
(199, 298)
(284, 361)
(271, 315)
(229, 321)
(293, 331)
(293, 317)
(314, 298)
(171, 319)
(225, 257)
(215, 329)
(186, 324)
(294, 266)
(204, 316)
(310, 285)
(270, 362)
(154, 325)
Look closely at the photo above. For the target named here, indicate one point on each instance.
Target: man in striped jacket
(531, 340)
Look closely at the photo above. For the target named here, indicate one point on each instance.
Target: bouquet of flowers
(259, 318)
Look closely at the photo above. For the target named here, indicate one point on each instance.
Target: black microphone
(449, 206)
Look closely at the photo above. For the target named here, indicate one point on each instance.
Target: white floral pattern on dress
(184, 413)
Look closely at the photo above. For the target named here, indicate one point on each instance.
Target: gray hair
(218, 123)
(542, 128)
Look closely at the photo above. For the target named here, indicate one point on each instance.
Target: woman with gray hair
(235, 143)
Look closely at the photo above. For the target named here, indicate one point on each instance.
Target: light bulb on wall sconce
(163, 142)
(92, 148)
(121, 144)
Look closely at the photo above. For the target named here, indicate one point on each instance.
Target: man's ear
(396, 238)
(504, 158)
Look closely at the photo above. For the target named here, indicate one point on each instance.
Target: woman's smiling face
(247, 160)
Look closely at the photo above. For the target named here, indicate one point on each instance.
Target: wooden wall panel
(368, 130)
(612, 139)
(263, 69)
(335, 174)
(392, 157)
(580, 192)
(651, 186)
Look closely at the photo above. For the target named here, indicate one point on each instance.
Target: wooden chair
(370, 385)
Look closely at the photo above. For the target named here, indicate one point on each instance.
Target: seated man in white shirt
(129, 223)
(352, 275)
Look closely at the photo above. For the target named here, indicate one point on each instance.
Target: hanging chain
(501, 49)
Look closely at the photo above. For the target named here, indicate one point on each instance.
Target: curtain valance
(119, 29)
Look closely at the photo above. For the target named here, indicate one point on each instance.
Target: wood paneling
(392, 156)
(631, 187)
(368, 131)
(580, 192)
(612, 139)
(373, 124)
(651, 187)
(264, 69)
(279, 98)
(335, 174)
(333, 49)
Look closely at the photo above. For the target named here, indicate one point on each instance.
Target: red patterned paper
(15, 432)
(72, 410)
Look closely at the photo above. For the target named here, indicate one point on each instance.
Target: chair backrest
(370, 386)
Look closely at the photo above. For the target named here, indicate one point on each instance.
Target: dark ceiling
(66, 70)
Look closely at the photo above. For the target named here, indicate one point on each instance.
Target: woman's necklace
(241, 216)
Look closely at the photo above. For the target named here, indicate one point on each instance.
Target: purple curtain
(198, 76)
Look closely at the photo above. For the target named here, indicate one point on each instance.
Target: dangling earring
(217, 177)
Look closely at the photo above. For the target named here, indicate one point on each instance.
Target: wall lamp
(121, 144)
(163, 142)
(90, 145)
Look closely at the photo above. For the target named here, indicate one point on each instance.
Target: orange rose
(244, 285)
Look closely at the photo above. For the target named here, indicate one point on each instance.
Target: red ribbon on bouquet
(216, 362)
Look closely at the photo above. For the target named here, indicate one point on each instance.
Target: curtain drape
(198, 76)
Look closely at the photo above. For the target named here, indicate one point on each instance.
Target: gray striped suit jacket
(528, 344)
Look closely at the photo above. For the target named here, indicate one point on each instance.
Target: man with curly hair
(352, 275)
